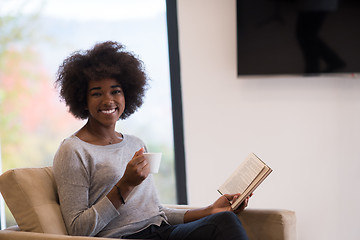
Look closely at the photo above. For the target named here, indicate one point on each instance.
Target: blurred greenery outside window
(36, 36)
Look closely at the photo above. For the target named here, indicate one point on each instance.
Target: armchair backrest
(31, 195)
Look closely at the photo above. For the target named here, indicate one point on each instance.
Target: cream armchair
(31, 196)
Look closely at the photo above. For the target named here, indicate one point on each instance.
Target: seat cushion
(31, 195)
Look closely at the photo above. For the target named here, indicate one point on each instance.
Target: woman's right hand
(136, 170)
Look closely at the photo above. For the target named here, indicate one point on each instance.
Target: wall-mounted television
(306, 37)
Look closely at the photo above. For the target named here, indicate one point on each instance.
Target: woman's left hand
(223, 203)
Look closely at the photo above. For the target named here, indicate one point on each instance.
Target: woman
(103, 179)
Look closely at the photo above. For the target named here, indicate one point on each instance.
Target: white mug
(154, 160)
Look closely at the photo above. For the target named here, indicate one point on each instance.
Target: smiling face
(106, 101)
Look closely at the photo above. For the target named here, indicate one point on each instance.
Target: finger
(141, 162)
(236, 196)
(139, 152)
(140, 166)
(232, 197)
(228, 197)
(143, 168)
(246, 202)
(138, 157)
(146, 169)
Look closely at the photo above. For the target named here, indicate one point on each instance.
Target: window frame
(176, 101)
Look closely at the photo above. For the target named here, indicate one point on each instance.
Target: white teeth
(108, 111)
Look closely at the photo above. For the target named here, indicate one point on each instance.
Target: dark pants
(224, 225)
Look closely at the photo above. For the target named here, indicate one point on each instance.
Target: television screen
(307, 37)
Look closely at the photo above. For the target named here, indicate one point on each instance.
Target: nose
(108, 99)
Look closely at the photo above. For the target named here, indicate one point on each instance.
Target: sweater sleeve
(174, 216)
(73, 182)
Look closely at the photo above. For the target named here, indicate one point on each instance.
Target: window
(38, 35)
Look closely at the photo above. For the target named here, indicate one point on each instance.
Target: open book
(245, 179)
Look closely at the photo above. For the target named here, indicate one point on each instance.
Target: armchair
(31, 196)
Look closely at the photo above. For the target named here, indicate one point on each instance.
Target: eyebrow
(98, 88)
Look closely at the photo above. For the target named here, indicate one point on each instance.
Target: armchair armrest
(269, 224)
(264, 224)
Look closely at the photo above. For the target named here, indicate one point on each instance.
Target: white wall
(306, 129)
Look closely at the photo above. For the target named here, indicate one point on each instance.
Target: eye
(118, 91)
(95, 94)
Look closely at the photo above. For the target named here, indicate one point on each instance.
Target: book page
(243, 176)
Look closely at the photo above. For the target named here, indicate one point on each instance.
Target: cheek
(121, 100)
(91, 106)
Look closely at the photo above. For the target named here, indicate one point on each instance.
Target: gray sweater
(85, 173)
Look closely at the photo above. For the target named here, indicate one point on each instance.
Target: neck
(102, 134)
(99, 130)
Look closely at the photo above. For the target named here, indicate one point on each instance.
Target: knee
(229, 225)
(229, 215)
(226, 217)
